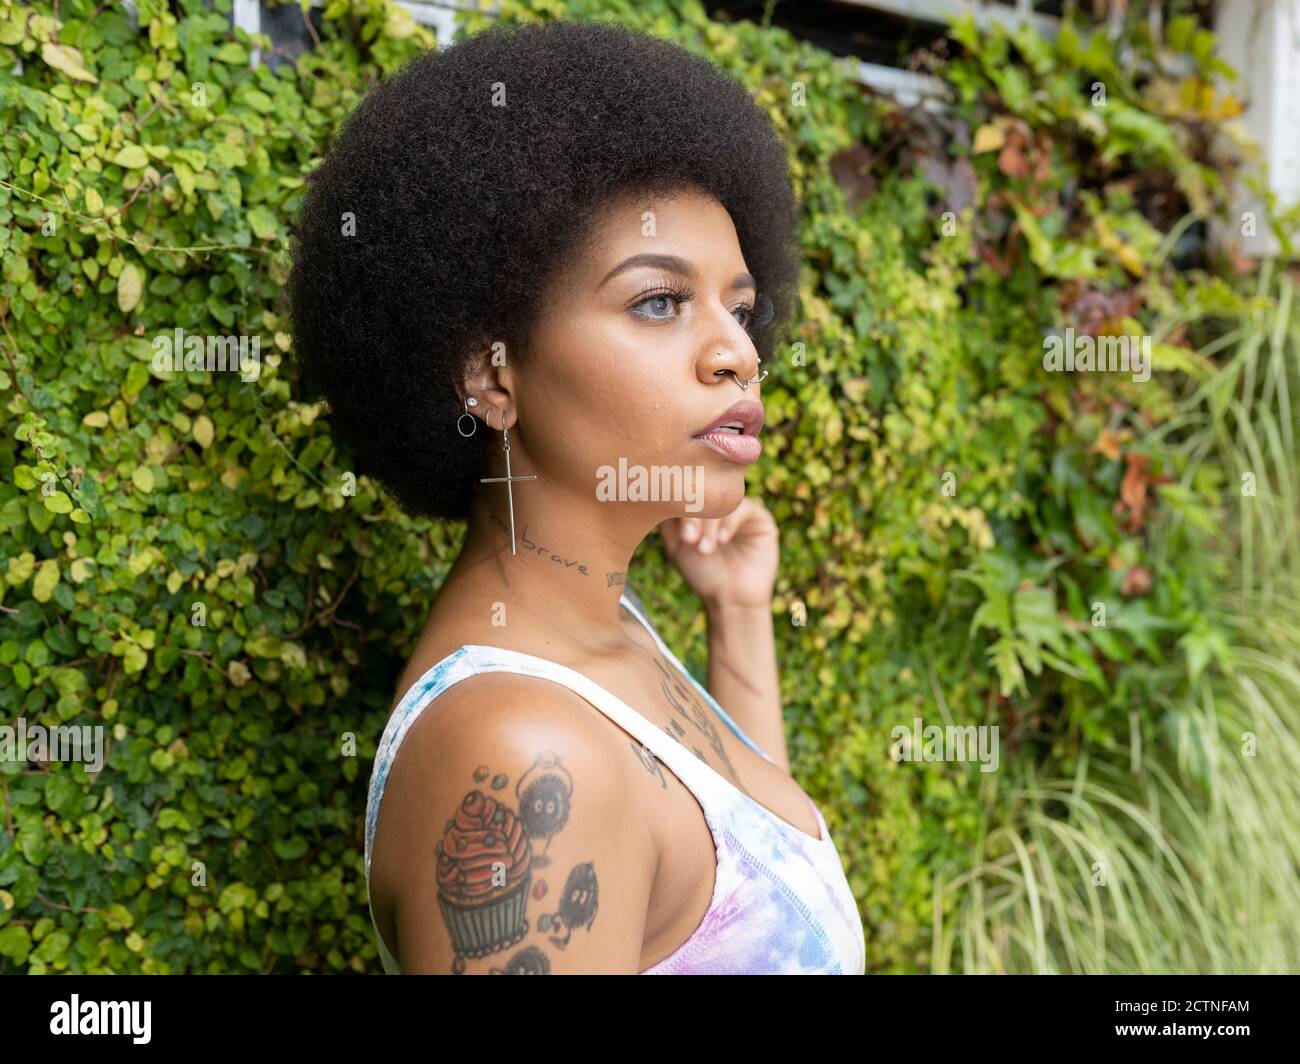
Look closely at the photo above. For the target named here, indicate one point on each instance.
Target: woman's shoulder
(465, 680)
(492, 717)
(518, 769)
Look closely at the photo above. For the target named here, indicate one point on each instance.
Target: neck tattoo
(527, 544)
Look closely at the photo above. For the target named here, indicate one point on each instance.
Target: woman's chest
(656, 688)
(737, 782)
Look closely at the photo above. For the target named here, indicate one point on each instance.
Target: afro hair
(462, 210)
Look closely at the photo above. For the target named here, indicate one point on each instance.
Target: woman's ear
(490, 381)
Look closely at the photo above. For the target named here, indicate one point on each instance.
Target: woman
(534, 279)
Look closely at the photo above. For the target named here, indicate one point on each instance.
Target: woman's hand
(730, 559)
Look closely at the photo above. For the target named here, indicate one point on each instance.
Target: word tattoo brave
(542, 552)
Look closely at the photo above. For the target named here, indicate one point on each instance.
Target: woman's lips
(742, 446)
(733, 446)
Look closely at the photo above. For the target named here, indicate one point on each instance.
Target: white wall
(1261, 40)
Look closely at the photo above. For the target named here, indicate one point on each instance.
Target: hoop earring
(473, 421)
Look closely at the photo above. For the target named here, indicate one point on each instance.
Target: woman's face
(637, 352)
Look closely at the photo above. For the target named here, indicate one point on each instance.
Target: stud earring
(473, 421)
(508, 479)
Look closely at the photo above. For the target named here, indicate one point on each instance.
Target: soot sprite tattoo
(577, 904)
(544, 793)
(528, 961)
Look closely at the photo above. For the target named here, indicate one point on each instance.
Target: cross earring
(508, 480)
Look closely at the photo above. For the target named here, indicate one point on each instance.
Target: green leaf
(15, 943)
(263, 223)
(265, 646)
(134, 659)
(203, 431)
(132, 156)
(259, 101)
(47, 576)
(142, 478)
(66, 60)
(62, 793)
(129, 286)
(290, 849)
(233, 53)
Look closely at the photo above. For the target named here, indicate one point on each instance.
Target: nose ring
(744, 385)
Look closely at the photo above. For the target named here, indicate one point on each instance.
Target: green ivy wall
(950, 512)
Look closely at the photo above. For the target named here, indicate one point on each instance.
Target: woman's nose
(742, 366)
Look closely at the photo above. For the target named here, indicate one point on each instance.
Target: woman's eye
(658, 302)
(748, 313)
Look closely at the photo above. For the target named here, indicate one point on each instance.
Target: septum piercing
(744, 385)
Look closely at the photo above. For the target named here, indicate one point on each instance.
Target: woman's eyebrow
(673, 264)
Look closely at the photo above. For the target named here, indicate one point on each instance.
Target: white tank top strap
(672, 753)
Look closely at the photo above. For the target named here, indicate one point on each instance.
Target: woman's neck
(568, 572)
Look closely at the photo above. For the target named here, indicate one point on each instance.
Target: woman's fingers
(709, 532)
(730, 523)
(705, 533)
(725, 527)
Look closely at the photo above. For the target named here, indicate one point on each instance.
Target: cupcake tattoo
(483, 877)
(485, 864)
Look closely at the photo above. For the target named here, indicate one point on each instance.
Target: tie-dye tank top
(781, 904)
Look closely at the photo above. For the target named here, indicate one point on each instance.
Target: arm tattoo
(646, 756)
(577, 904)
(528, 961)
(489, 874)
